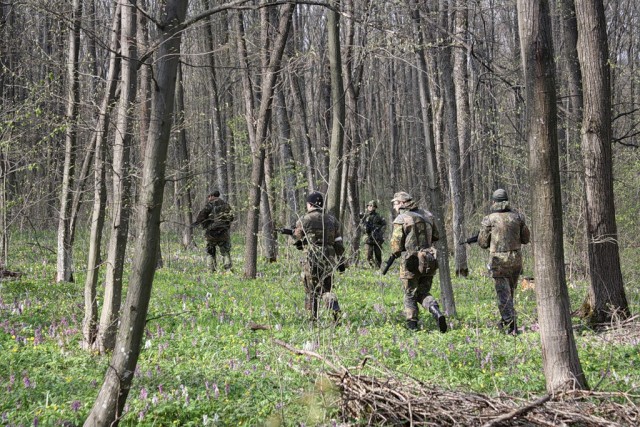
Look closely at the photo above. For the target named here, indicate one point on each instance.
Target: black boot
(439, 318)
(412, 325)
(512, 328)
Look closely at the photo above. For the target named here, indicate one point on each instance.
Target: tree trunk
(435, 191)
(332, 200)
(607, 298)
(561, 365)
(463, 110)
(64, 252)
(305, 138)
(288, 168)
(110, 401)
(219, 144)
(183, 176)
(89, 324)
(451, 123)
(262, 125)
(121, 193)
(352, 71)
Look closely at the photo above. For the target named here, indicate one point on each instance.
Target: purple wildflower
(26, 381)
(75, 405)
(216, 390)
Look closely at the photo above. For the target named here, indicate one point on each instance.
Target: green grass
(200, 364)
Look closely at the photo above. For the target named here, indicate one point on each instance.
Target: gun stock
(387, 266)
(472, 239)
(286, 231)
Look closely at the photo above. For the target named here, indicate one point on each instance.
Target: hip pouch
(217, 234)
(427, 260)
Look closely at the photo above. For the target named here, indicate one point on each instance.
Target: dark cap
(500, 195)
(214, 193)
(315, 199)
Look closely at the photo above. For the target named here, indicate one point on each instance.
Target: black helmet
(315, 199)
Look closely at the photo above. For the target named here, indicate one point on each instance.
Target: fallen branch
(519, 411)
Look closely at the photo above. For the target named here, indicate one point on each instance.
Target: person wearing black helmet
(215, 219)
(503, 232)
(318, 234)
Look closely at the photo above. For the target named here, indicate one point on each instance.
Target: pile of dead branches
(383, 397)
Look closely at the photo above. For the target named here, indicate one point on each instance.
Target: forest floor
(221, 350)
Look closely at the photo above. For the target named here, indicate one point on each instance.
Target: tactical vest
(418, 230)
(505, 231)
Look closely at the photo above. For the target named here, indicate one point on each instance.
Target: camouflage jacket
(374, 226)
(320, 234)
(217, 214)
(503, 232)
(413, 229)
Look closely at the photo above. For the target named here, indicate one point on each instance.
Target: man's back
(507, 231)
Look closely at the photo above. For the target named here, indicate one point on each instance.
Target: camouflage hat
(214, 193)
(401, 196)
(315, 199)
(500, 195)
(373, 203)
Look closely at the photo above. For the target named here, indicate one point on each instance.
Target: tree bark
(64, 253)
(607, 298)
(462, 91)
(183, 175)
(262, 125)
(435, 192)
(332, 199)
(89, 324)
(561, 365)
(121, 179)
(110, 401)
(453, 145)
(219, 144)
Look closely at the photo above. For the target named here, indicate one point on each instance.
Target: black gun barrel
(387, 266)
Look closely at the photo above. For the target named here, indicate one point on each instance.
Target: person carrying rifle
(503, 232)
(413, 233)
(318, 234)
(373, 225)
(215, 219)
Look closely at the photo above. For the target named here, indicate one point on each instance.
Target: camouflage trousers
(505, 289)
(318, 282)
(417, 291)
(225, 253)
(374, 254)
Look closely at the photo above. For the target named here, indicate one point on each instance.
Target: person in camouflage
(215, 219)
(318, 234)
(413, 233)
(503, 232)
(374, 226)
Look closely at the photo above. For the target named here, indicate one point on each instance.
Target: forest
(118, 118)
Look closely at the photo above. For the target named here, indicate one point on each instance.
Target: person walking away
(503, 232)
(216, 218)
(318, 234)
(374, 227)
(413, 234)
